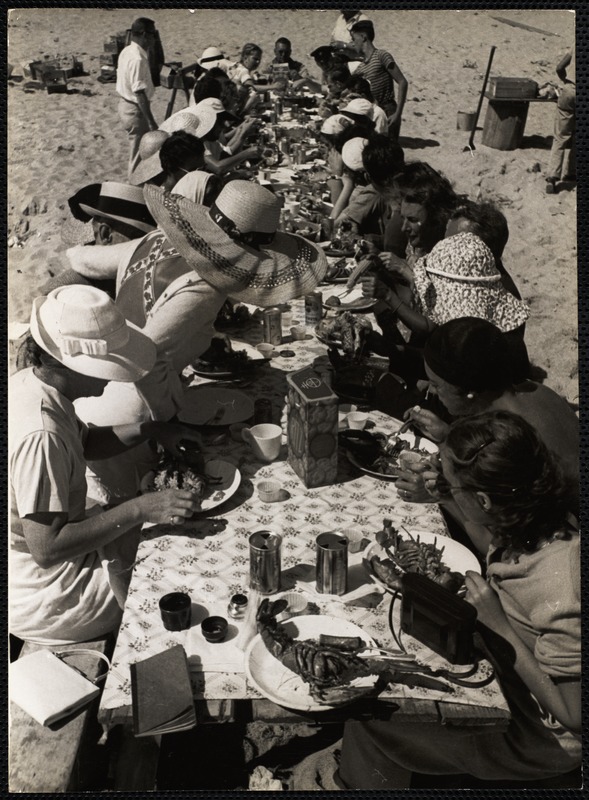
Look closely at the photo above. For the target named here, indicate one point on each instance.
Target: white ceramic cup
(265, 441)
(266, 349)
(298, 332)
(357, 420)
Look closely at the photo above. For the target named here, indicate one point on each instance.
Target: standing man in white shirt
(135, 87)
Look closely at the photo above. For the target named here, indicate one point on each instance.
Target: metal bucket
(465, 120)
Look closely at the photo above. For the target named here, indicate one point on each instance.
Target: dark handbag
(438, 618)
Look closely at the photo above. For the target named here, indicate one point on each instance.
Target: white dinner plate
(215, 405)
(216, 494)
(332, 341)
(456, 556)
(272, 679)
(408, 436)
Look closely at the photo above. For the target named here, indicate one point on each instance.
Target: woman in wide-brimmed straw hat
(67, 567)
(173, 282)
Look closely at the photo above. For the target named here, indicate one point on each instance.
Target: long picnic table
(208, 558)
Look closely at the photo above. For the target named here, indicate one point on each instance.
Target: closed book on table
(162, 694)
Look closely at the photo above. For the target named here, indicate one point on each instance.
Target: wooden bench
(45, 759)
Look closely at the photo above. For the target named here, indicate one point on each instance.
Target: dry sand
(59, 142)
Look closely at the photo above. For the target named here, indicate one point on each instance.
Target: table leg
(135, 760)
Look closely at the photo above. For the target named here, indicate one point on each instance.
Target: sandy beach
(59, 142)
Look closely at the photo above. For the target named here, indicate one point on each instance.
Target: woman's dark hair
(177, 149)
(382, 159)
(351, 132)
(360, 85)
(487, 221)
(340, 74)
(473, 355)
(218, 74)
(422, 184)
(206, 87)
(231, 97)
(501, 454)
(30, 354)
(212, 189)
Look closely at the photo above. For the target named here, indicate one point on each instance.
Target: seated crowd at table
(199, 225)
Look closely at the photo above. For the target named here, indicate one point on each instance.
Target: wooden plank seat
(43, 759)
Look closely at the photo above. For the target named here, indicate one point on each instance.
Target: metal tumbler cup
(331, 572)
(265, 561)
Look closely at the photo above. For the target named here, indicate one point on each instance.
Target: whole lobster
(330, 664)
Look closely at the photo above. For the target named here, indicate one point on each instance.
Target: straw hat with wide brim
(198, 124)
(149, 152)
(82, 328)
(235, 245)
(459, 278)
(121, 204)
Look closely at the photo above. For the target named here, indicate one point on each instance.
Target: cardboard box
(109, 59)
(512, 87)
(40, 68)
(55, 81)
(312, 428)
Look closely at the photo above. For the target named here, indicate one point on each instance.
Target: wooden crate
(169, 77)
(504, 124)
(109, 59)
(512, 87)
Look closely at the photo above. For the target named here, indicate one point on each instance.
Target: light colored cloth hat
(235, 245)
(458, 278)
(187, 120)
(352, 153)
(82, 328)
(149, 152)
(193, 185)
(216, 105)
(118, 202)
(335, 124)
(360, 107)
(213, 57)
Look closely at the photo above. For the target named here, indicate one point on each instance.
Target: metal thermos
(272, 326)
(313, 308)
(265, 561)
(332, 563)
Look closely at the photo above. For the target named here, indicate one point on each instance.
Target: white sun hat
(335, 124)
(83, 329)
(359, 107)
(149, 152)
(186, 120)
(352, 153)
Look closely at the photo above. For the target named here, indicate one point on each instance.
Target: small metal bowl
(214, 629)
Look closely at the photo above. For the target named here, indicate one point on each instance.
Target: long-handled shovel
(470, 146)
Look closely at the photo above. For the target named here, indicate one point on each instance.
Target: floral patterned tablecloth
(209, 558)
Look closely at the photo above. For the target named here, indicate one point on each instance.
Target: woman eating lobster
(529, 618)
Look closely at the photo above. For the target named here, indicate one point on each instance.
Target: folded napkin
(223, 656)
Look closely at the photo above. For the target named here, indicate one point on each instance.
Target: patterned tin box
(312, 428)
